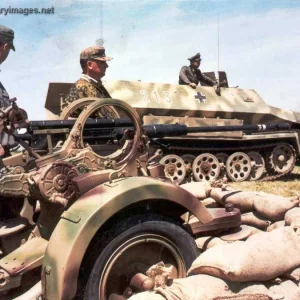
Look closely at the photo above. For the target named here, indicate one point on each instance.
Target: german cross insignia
(200, 97)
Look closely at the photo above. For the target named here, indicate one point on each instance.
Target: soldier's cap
(94, 52)
(195, 57)
(7, 36)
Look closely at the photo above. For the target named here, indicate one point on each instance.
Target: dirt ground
(287, 186)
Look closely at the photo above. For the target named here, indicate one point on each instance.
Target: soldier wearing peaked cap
(192, 75)
(6, 44)
(93, 61)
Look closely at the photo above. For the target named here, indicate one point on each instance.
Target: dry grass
(287, 186)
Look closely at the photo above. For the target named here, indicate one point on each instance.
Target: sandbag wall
(266, 265)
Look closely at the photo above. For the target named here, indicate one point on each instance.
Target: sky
(151, 40)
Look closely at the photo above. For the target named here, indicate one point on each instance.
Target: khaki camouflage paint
(179, 100)
(80, 223)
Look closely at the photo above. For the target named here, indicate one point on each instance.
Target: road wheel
(132, 246)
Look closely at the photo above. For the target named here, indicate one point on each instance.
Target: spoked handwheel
(174, 168)
(238, 166)
(257, 165)
(133, 246)
(206, 167)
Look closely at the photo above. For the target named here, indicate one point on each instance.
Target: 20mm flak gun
(93, 224)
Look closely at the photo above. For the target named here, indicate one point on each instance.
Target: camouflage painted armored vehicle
(239, 155)
(92, 224)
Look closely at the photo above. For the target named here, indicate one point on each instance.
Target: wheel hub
(170, 169)
(205, 167)
(136, 257)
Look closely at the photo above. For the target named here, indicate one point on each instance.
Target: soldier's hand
(217, 89)
(192, 85)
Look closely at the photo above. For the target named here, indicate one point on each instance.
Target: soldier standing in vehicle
(93, 61)
(192, 75)
(6, 44)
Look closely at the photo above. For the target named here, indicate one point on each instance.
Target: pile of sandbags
(266, 206)
(241, 270)
(260, 258)
(262, 265)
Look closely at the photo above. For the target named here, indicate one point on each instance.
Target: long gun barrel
(178, 129)
(157, 130)
(153, 131)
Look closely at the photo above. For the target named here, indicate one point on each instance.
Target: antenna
(100, 41)
(218, 47)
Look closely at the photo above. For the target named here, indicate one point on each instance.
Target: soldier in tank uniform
(93, 61)
(192, 75)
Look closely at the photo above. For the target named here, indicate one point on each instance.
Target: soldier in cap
(6, 44)
(93, 61)
(192, 75)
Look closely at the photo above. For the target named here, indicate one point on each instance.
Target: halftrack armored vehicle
(205, 155)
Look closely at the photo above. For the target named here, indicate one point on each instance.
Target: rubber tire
(129, 228)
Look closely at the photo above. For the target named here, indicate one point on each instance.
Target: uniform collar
(89, 78)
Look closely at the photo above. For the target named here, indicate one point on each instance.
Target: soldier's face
(196, 63)
(98, 68)
(4, 51)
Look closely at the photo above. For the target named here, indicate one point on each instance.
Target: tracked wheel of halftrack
(238, 166)
(175, 168)
(281, 160)
(206, 167)
(257, 165)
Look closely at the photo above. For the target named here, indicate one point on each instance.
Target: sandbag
(276, 225)
(201, 190)
(207, 242)
(204, 287)
(292, 217)
(147, 296)
(244, 297)
(253, 219)
(210, 203)
(257, 259)
(241, 200)
(273, 207)
(287, 290)
(254, 230)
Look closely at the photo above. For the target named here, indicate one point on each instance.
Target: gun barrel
(99, 123)
(160, 130)
(153, 131)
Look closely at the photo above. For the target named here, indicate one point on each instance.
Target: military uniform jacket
(4, 97)
(85, 87)
(189, 75)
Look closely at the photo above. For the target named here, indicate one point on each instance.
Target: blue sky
(150, 41)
